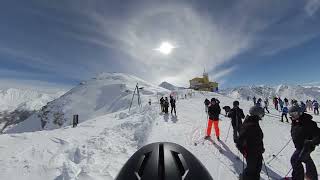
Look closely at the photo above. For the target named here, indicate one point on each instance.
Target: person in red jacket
(213, 110)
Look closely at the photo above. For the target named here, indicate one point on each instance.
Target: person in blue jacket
(285, 111)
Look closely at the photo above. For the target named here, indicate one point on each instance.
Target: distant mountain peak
(283, 90)
(168, 86)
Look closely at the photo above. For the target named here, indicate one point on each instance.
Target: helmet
(256, 111)
(213, 99)
(295, 112)
(165, 161)
(235, 103)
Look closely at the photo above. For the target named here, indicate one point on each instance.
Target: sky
(238, 42)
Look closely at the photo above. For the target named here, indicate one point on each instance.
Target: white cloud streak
(312, 6)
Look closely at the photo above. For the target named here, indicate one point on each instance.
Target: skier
(305, 136)
(281, 103)
(309, 105)
(316, 108)
(248, 98)
(173, 105)
(214, 110)
(266, 104)
(149, 102)
(286, 102)
(250, 144)
(254, 100)
(206, 104)
(166, 105)
(294, 102)
(275, 102)
(285, 111)
(162, 104)
(236, 114)
(303, 106)
(259, 102)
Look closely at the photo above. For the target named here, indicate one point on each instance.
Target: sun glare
(165, 48)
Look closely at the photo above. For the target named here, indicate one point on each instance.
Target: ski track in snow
(98, 148)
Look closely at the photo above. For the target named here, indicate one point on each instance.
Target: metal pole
(132, 98)
(274, 156)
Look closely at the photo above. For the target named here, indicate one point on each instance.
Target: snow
(106, 93)
(26, 99)
(101, 144)
(96, 149)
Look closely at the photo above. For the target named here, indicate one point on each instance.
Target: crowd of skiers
(248, 135)
(283, 105)
(164, 104)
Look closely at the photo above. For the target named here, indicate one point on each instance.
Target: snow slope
(104, 94)
(26, 99)
(290, 91)
(98, 147)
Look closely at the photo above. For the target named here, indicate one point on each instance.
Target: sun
(165, 48)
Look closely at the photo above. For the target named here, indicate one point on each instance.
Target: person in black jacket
(305, 136)
(173, 105)
(236, 114)
(250, 144)
(162, 104)
(254, 100)
(213, 110)
(166, 105)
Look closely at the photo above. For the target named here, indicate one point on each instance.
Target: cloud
(204, 39)
(207, 35)
(201, 41)
(219, 76)
(312, 6)
(33, 84)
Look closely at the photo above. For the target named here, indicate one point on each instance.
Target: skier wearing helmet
(305, 136)
(250, 144)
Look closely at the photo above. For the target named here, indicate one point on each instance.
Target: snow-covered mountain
(290, 91)
(169, 86)
(25, 99)
(104, 94)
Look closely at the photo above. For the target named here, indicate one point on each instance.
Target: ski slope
(98, 147)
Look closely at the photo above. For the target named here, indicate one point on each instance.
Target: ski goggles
(294, 115)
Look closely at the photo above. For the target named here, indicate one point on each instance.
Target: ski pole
(265, 168)
(274, 156)
(288, 172)
(228, 132)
